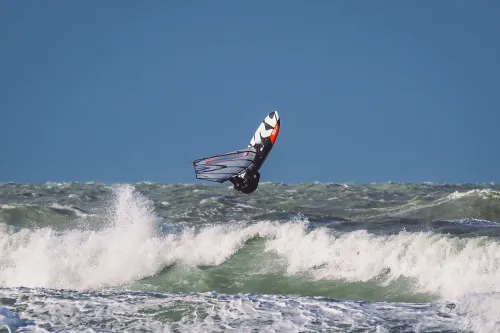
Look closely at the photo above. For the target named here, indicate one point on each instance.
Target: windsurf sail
(220, 168)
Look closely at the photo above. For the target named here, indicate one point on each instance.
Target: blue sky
(367, 91)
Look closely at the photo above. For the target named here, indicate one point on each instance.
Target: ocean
(316, 257)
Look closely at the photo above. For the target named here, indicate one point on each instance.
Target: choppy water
(288, 258)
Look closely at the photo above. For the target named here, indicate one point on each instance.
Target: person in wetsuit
(248, 183)
(250, 180)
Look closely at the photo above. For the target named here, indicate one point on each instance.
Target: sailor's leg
(237, 182)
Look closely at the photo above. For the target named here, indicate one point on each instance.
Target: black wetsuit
(248, 183)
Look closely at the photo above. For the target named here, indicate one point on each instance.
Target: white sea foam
(452, 268)
(483, 193)
(415, 205)
(130, 312)
(129, 249)
(432, 260)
